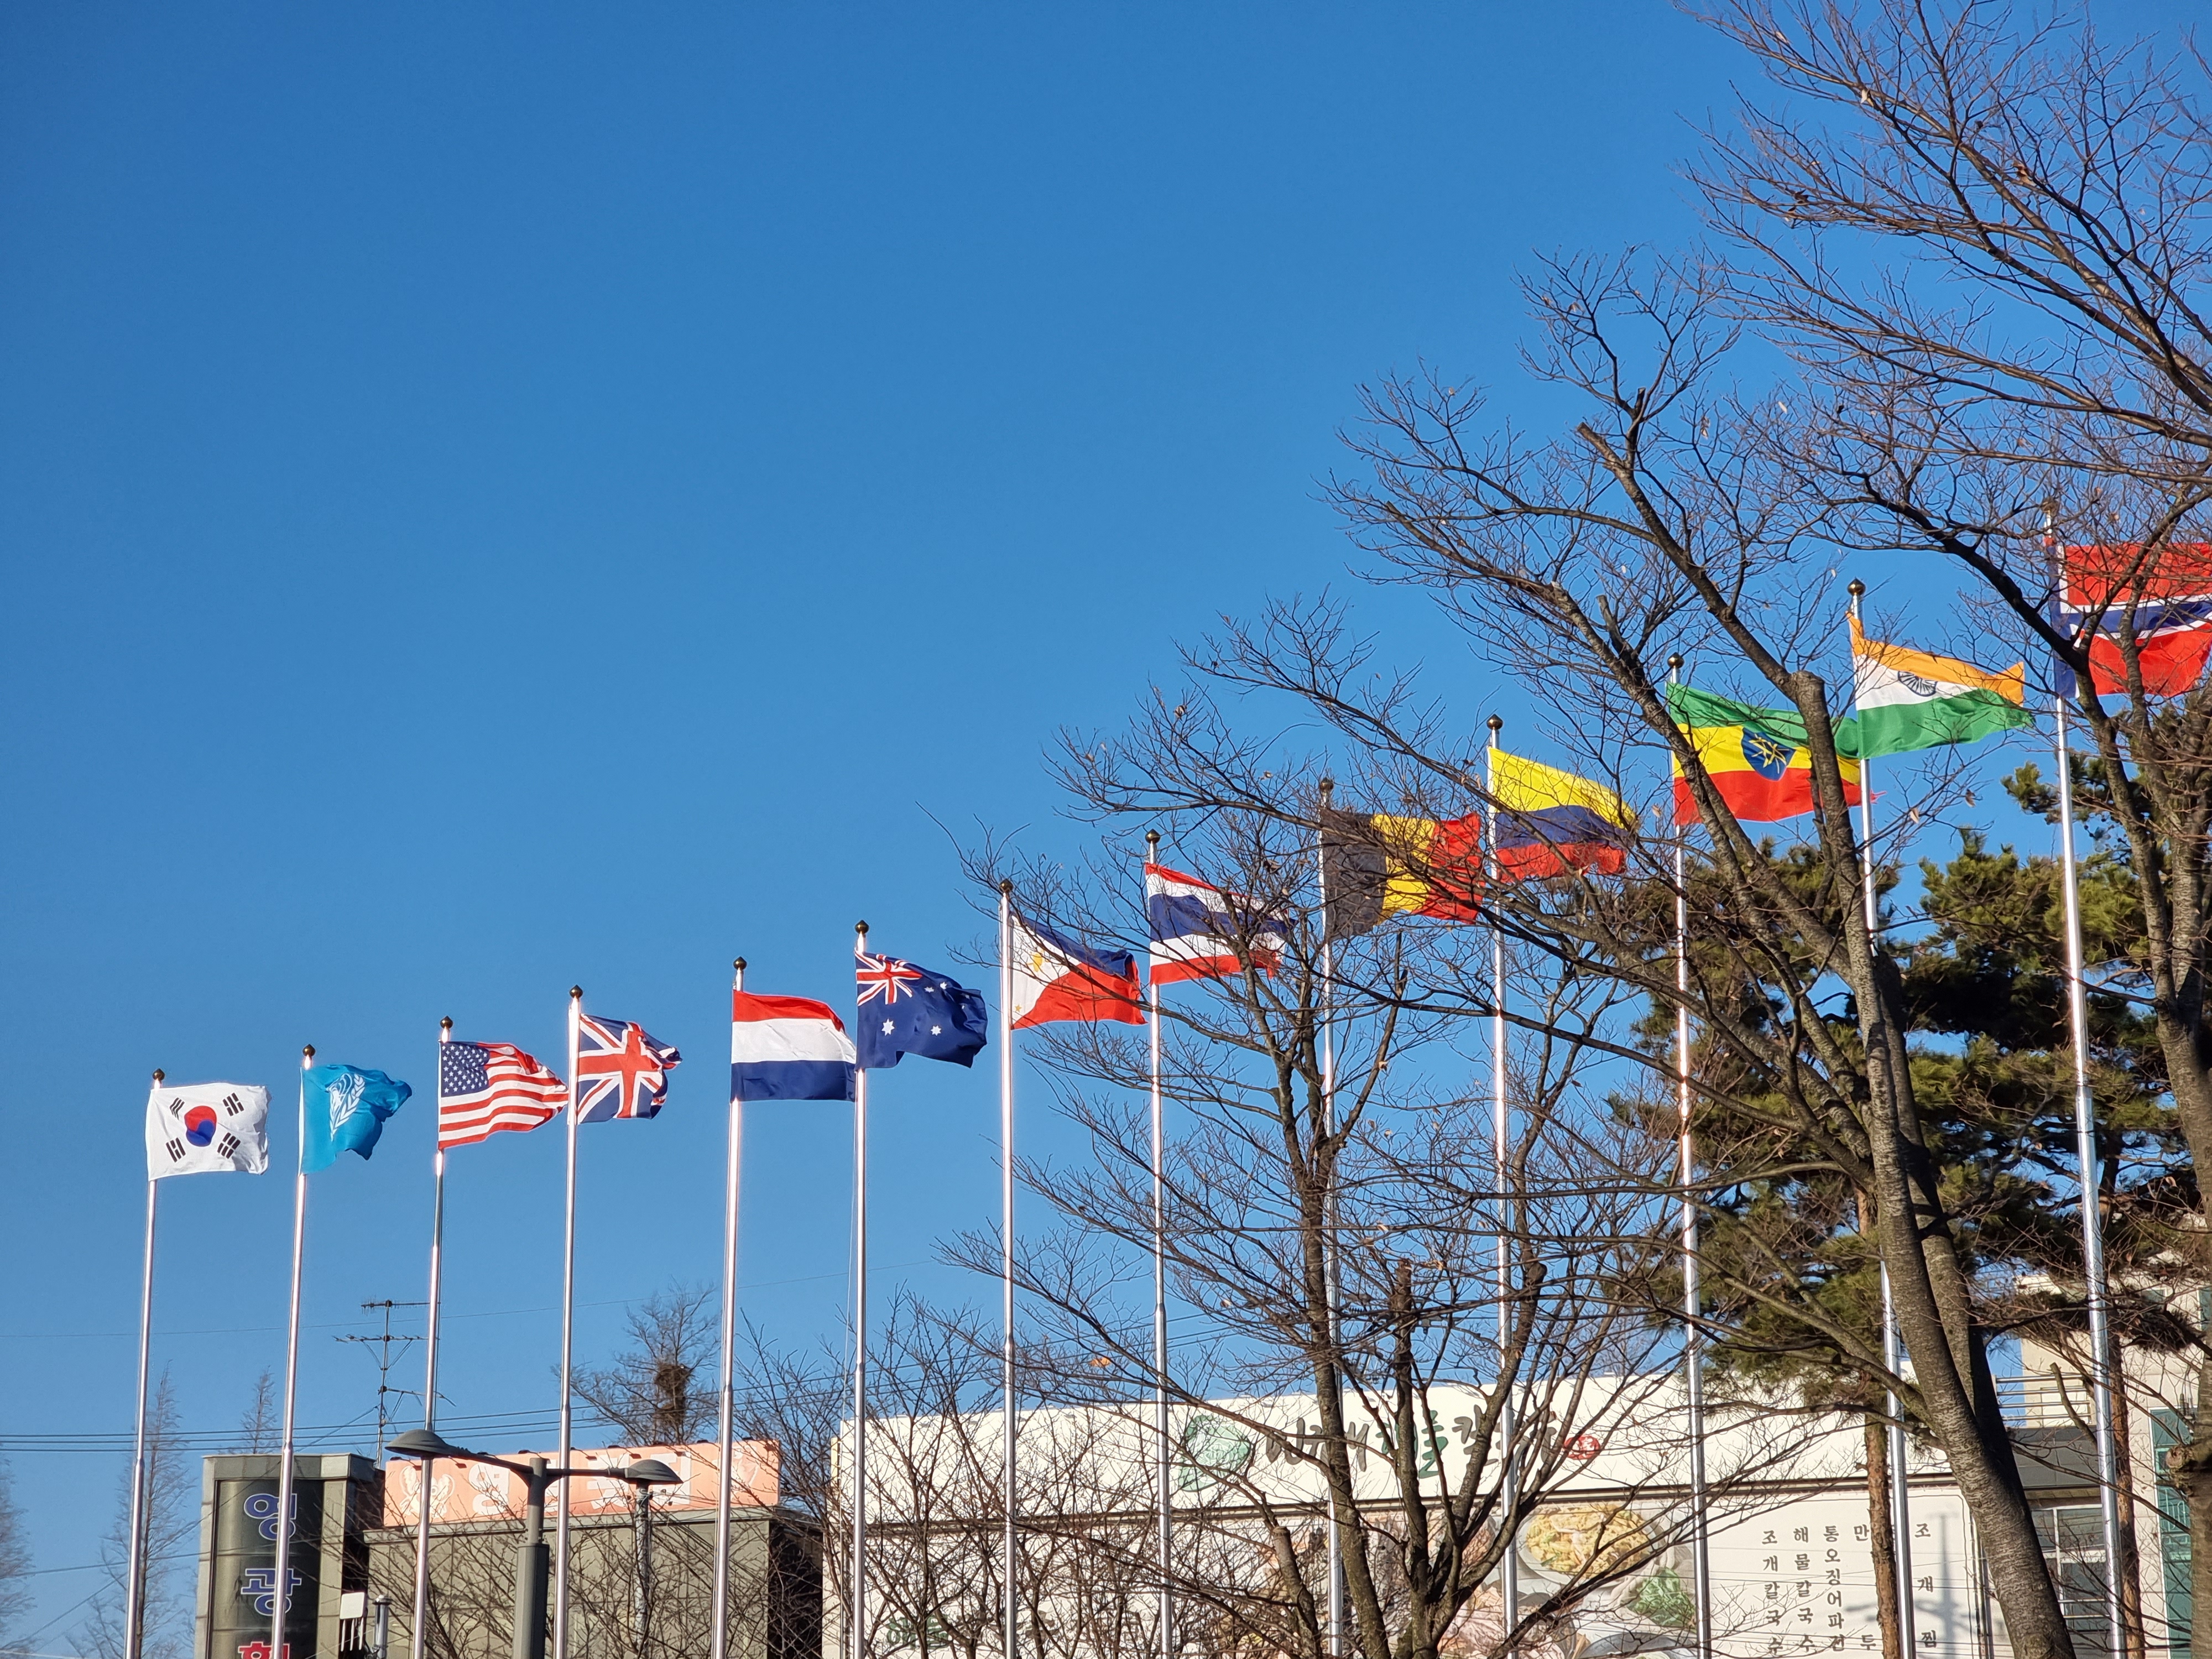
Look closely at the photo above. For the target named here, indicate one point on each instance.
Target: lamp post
(531, 1561)
(643, 1476)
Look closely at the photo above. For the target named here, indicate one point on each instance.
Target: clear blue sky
(498, 497)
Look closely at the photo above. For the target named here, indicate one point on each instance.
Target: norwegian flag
(485, 1087)
(2158, 600)
(620, 1071)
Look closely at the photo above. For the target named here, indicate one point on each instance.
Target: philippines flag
(620, 1071)
(1054, 978)
(2169, 589)
(787, 1048)
(1197, 928)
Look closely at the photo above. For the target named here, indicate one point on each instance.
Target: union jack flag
(620, 1071)
(884, 979)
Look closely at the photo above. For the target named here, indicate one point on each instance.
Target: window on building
(2073, 1539)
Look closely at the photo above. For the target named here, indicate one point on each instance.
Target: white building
(1791, 1533)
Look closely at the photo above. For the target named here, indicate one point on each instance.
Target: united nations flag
(346, 1109)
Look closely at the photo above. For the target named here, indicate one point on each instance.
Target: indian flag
(1910, 700)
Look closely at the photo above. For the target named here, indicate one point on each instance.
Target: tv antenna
(385, 1359)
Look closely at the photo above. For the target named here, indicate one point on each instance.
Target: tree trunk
(1884, 1534)
(1956, 1394)
(2130, 1566)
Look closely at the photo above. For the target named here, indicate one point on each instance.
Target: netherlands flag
(1198, 928)
(787, 1048)
(1054, 978)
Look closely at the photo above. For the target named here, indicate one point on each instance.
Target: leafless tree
(472, 1584)
(258, 1431)
(1347, 1233)
(1984, 234)
(172, 1524)
(651, 1392)
(14, 1560)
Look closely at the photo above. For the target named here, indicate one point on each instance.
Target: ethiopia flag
(1756, 757)
(1910, 700)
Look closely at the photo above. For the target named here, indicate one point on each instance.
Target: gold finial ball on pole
(159, 1074)
(861, 928)
(1674, 662)
(1006, 884)
(576, 992)
(1495, 723)
(1856, 587)
(739, 964)
(446, 1024)
(1152, 839)
(308, 1050)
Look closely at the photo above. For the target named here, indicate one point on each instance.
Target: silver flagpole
(727, 1434)
(1165, 1540)
(1900, 1494)
(567, 1344)
(282, 1580)
(858, 1648)
(1333, 1282)
(1900, 1491)
(1693, 1376)
(134, 1617)
(1501, 1131)
(1006, 1232)
(2092, 1224)
(421, 1626)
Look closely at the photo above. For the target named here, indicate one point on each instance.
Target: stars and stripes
(485, 1087)
(620, 1071)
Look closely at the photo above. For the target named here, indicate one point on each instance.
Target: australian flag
(906, 1010)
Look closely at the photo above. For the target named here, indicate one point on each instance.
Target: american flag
(485, 1087)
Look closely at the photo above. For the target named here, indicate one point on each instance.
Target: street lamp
(644, 1475)
(529, 1561)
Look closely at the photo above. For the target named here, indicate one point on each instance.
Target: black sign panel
(244, 1595)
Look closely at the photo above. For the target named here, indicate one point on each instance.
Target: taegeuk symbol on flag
(196, 1128)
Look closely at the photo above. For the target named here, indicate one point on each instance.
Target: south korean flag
(196, 1128)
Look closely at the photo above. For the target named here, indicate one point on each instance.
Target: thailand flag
(1198, 928)
(787, 1048)
(1052, 977)
(2169, 591)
